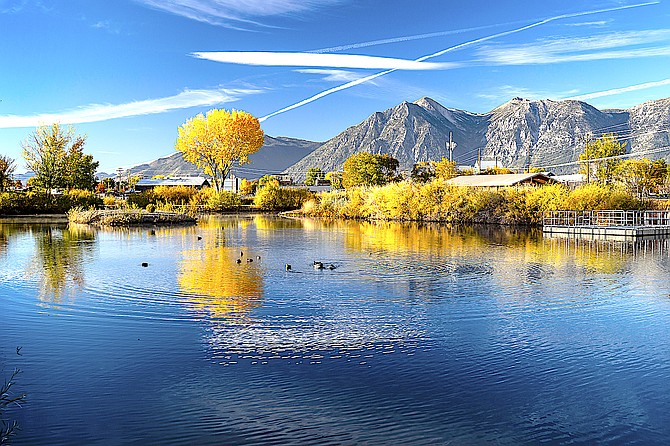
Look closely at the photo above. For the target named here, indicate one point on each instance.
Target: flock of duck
(317, 265)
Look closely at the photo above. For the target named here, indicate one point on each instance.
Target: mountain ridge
(518, 133)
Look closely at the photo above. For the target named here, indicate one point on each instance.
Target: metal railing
(606, 218)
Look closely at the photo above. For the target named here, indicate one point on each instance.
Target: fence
(606, 218)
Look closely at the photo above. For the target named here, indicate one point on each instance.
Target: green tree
(423, 171)
(56, 157)
(109, 183)
(367, 169)
(313, 174)
(6, 172)
(642, 176)
(218, 141)
(335, 179)
(597, 159)
(80, 168)
(265, 181)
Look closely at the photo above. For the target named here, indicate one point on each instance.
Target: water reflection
(59, 259)
(226, 283)
(475, 242)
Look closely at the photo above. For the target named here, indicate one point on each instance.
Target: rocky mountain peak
(518, 133)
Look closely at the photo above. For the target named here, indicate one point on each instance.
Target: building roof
(502, 180)
(573, 178)
(173, 181)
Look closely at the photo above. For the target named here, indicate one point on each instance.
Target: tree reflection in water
(59, 259)
(224, 289)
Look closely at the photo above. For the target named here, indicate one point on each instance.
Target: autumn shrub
(81, 198)
(202, 196)
(174, 194)
(36, 202)
(596, 196)
(140, 200)
(391, 202)
(429, 201)
(550, 197)
(111, 201)
(355, 204)
(327, 204)
(438, 201)
(223, 200)
(273, 198)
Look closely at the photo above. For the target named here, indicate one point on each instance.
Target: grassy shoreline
(437, 201)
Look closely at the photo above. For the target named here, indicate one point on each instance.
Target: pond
(419, 334)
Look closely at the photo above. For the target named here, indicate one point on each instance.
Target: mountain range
(517, 134)
(275, 156)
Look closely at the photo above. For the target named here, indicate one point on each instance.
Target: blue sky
(127, 73)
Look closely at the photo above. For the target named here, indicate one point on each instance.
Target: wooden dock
(607, 224)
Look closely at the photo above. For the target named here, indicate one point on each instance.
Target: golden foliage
(219, 140)
(439, 201)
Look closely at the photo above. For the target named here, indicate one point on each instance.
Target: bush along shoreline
(38, 203)
(437, 201)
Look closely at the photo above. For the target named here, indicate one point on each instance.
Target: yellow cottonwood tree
(219, 140)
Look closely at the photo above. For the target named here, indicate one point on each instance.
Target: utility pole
(451, 145)
(479, 160)
(587, 139)
(451, 149)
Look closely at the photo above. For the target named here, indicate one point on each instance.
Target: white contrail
(447, 50)
(353, 46)
(615, 91)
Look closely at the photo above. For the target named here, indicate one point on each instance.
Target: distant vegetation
(369, 187)
(438, 201)
(374, 192)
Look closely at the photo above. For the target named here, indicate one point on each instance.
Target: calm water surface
(420, 335)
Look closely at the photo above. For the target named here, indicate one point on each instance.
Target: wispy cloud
(595, 24)
(225, 12)
(621, 90)
(106, 25)
(617, 45)
(447, 50)
(333, 75)
(19, 6)
(104, 112)
(285, 59)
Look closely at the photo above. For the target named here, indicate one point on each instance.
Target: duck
(288, 267)
(318, 265)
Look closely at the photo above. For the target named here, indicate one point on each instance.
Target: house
(284, 179)
(572, 181)
(503, 180)
(195, 182)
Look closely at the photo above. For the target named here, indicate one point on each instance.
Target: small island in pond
(128, 217)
